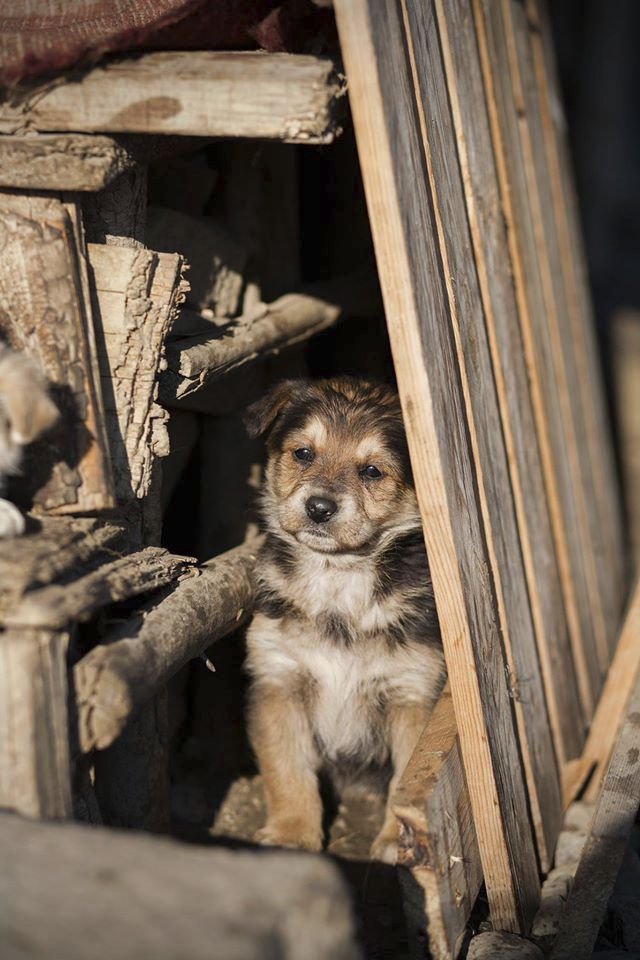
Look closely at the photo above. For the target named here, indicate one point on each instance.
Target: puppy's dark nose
(320, 509)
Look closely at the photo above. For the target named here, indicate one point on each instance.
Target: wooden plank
(491, 252)
(468, 322)
(43, 311)
(195, 362)
(62, 161)
(35, 772)
(120, 675)
(271, 96)
(602, 855)
(535, 298)
(615, 695)
(418, 309)
(582, 321)
(438, 848)
(138, 293)
(561, 330)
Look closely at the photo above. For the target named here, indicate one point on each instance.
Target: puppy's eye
(371, 472)
(304, 454)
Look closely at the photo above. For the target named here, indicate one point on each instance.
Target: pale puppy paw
(290, 833)
(12, 523)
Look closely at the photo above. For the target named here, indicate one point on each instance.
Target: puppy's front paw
(385, 847)
(290, 833)
(12, 523)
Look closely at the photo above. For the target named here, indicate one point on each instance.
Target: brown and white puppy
(344, 650)
(26, 411)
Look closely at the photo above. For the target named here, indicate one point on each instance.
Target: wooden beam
(120, 675)
(602, 855)
(56, 161)
(615, 695)
(272, 96)
(45, 311)
(197, 361)
(438, 848)
(35, 774)
(420, 317)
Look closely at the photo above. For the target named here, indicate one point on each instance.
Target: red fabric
(42, 37)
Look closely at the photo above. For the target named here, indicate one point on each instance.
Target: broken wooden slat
(466, 310)
(197, 361)
(602, 855)
(272, 96)
(438, 847)
(534, 296)
(491, 252)
(418, 309)
(43, 310)
(61, 161)
(58, 605)
(35, 775)
(137, 293)
(118, 677)
(615, 695)
(582, 320)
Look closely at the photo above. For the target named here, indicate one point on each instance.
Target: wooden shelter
(155, 321)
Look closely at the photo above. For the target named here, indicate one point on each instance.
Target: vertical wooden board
(490, 245)
(548, 388)
(43, 310)
(35, 776)
(441, 871)
(417, 306)
(466, 314)
(561, 331)
(574, 269)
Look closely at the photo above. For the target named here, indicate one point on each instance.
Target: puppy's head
(338, 474)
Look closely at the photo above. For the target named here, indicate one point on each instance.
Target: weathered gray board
(455, 438)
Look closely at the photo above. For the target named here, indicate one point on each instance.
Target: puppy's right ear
(261, 414)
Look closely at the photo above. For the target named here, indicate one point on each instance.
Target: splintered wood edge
(604, 849)
(438, 845)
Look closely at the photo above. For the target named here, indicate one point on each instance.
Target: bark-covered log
(117, 677)
(58, 605)
(43, 310)
(197, 361)
(76, 892)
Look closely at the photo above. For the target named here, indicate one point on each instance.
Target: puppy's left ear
(261, 414)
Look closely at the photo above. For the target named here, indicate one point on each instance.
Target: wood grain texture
(35, 773)
(438, 849)
(561, 331)
(56, 161)
(602, 855)
(615, 694)
(273, 96)
(518, 189)
(582, 321)
(419, 319)
(468, 322)
(43, 310)
(119, 676)
(137, 293)
(491, 252)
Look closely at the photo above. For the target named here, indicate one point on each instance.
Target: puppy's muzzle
(320, 509)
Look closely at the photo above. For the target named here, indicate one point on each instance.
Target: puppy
(26, 411)
(344, 650)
